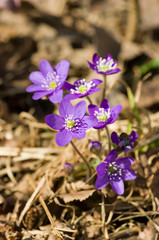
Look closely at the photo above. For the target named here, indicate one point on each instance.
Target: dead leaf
(76, 191)
(81, 195)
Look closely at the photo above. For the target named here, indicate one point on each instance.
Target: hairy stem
(99, 136)
(108, 135)
(104, 87)
(85, 161)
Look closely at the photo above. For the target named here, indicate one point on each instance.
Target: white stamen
(102, 115)
(105, 65)
(113, 171)
(51, 81)
(82, 87)
(72, 123)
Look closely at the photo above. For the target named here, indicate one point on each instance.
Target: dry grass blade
(31, 199)
(125, 232)
(46, 208)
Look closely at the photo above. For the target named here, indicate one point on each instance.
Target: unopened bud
(68, 169)
(94, 146)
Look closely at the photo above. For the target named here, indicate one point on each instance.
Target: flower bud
(94, 146)
(68, 169)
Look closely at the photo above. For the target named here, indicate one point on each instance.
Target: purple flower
(114, 170)
(104, 114)
(48, 81)
(94, 146)
(72, 122)
(104, 66)
(81, 88)
(125, 142)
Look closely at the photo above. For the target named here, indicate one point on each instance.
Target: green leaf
(95, 162)
(129, 127)
(147, 67)
(130, 97)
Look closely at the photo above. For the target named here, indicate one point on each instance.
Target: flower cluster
(73, 122)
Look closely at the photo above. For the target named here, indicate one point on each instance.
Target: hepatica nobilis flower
(94, 145)
(49, 82)
(81, 88)
(114, 170)
(72, 122)
(105, 65)
(104, 114)
(125, 142)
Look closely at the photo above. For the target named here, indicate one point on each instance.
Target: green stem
(108, 135)
(87, 164)
(104, 87)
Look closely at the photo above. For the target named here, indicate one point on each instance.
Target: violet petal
(125, 162)
(56, 96)
(62, 69)
(65, 108)
(36, 77)
(79, 135)
(101, 182)
(115, 138)
(118, 186)
(54, 121)
(45, 67)
(111, 157)
(92, 108)
(63, 137)
(33, 88)
(128, 174)
(104, 104)
(90, 121)
(80, 109)
(68, 86)
(39, 94)
(133, 136)
(101, 169)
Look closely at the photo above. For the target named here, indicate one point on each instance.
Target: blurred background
(31, 30)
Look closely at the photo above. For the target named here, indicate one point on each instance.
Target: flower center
(124, 143)
(70, 124)
(53, 85)
(114, 172)
(102, 115)
(74, 125)
(82, 87)
(51, 81)
(105, 65)
(111, 169)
